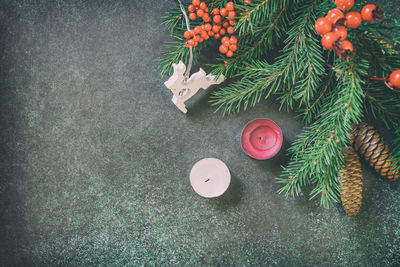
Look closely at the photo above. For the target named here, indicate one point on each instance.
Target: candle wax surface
(210, 177)
(261, 139)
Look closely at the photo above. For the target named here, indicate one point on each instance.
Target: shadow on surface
(231, 197)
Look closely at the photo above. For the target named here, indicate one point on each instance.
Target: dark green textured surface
(95, 158)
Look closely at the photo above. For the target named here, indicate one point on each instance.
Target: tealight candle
(210, 177)
(261, 139)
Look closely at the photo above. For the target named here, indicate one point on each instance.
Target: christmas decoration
(370, 145)
(329, 92)
(183, 90)
(351, 183)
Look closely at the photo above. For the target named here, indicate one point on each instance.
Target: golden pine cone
(369, 144)
(351, 183)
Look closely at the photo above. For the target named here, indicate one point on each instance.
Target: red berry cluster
(199, 9)
(228, 46)
(223, 19)
(333, 30)
(394, 79)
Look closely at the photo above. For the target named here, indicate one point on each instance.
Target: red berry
(233, 47)
(191, 8)
(232, 22)
(344, 4)
(211, 33)
(341, 30)
(328, 40)
(366, 12)
(192, 33)
(223, 49)
(196, 2)
(207, 27)
(196, 38)
(191, 42)
(247, 2)
(233, 40)
(225, 42)
(192, 16)
(206, 18)
(394, 78)
(203, 5)
(195, 44)
(217, 36)
(200, 12)
(229, 53)
(345, 49)
(232, 14)
(222, 31)
(187, 35)
(187, 45)
(216, 28)
(203, 34)
(353, 19)
(371, 13)
(230, 30)
(215, 11)
(197, 29)
(335, 15)
(230, 6)
(217, 19)
(225, 38)
(322, 26)
(223, 12)
(346, 46)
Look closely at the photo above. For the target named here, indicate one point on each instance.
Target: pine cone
(369, 144)
(351, 179)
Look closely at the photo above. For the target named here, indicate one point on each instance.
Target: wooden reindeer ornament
(184, 88)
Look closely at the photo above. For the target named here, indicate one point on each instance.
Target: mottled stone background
(95, 159)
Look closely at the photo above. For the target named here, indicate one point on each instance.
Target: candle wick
(207, 180)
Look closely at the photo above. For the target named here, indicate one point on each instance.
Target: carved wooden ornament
(184, 90)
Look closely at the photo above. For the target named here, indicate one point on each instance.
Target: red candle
(261, 139)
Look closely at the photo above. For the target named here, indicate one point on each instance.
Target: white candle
(210, 177)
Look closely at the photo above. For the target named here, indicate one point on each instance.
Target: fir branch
(303, 46)
(311, 112)
(300, 50)
(317, 156)
(259, 14)
(173, 20)
(255, 44)
(381, 102)
(175, 52)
